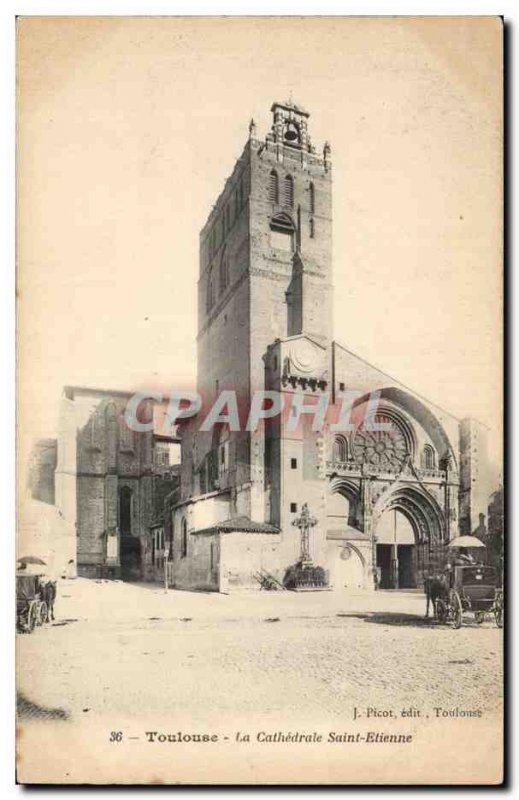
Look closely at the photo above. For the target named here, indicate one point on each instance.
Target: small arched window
(274, 187)
(126, 435)
(111, 436)
(340, 449)
(224, 272)
(312, 199)
(429, 457)
(312, 229)
(96, 433)
(183, 538)
(288, 191)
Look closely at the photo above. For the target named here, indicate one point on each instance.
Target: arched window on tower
(340, 449)
(312, 199)
(282, 231)
(312, 229)
(288, 191)
(428, 457)
(274, 187)
(224, 272)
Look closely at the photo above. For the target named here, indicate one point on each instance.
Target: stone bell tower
(265, 275)
(291, 234)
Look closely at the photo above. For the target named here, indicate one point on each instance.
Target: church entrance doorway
(406, 566)
(130, 558)
(130, 544)
(396, 551)
(409, 529)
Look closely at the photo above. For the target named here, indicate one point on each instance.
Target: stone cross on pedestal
(304, 522)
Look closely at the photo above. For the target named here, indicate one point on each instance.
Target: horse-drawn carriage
(469, 588)
(31, 606)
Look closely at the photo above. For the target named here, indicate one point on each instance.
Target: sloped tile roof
(239, 524)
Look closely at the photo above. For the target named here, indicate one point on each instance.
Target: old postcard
(260, 517)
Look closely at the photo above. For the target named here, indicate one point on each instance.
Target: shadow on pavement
(389, 618)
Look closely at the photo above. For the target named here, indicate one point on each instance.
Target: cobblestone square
(313, 654)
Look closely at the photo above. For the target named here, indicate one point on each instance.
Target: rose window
(386, 448)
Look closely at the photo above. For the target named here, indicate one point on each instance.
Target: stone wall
(243, 555)
(198, 570)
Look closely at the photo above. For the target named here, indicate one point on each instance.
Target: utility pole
(166, 556)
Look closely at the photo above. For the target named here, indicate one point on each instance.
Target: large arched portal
(409, 532)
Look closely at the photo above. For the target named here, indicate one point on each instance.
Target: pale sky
(128, 128)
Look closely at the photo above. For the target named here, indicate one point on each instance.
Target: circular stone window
(385, 448)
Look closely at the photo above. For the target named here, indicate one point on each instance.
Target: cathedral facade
(385, 498)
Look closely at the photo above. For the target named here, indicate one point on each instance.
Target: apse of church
(385, 496)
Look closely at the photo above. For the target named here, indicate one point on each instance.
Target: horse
(49, 591)
(435, 586)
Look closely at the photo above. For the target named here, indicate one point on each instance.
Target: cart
(472, 588)
(31, 609)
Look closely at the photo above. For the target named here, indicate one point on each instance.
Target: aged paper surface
(238, 539)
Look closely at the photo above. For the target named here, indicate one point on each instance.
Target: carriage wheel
(43, 614)
(32, 615)
(456, 610)
(479, 617)
(440, 610)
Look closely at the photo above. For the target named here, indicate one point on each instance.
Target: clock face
(386, 448)
(303, 357)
